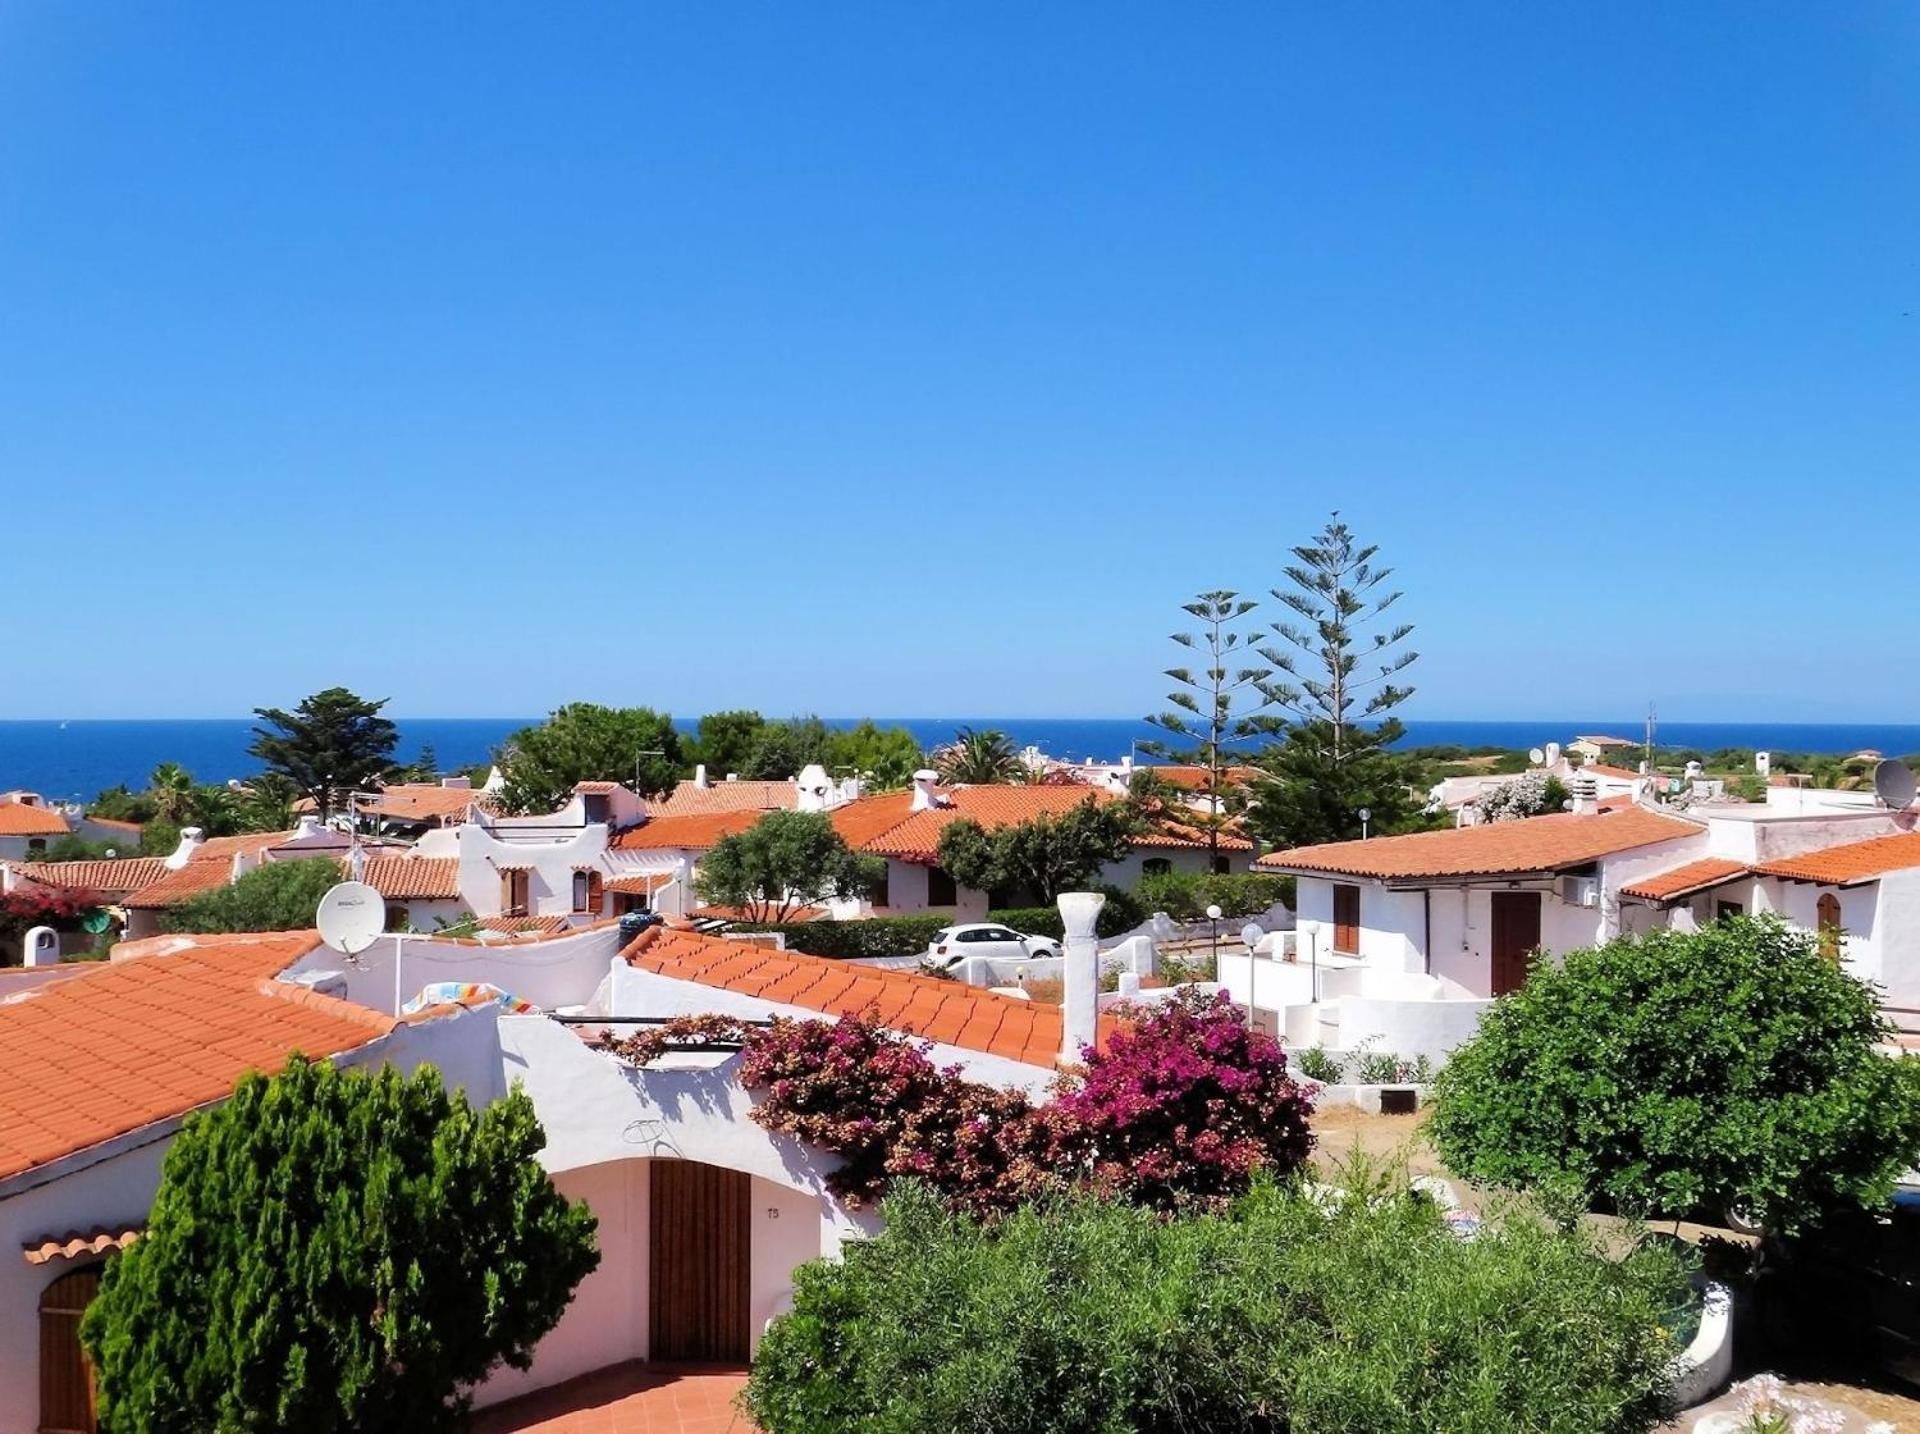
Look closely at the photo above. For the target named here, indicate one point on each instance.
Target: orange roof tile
(133, 1042)
(27, 819)
(414, 878)
(1195, 778)
(1684, 881)
(247, 843)
(424, 802)
(695, 831)
(1603, 770)
(519, 925)
(641, 883)
(173, 887)
(688, 799)
(1853, 862)
(888, 825)
(1546, 843)
(108, 878)
(75, 1243)
(135, 828)
(938, 1010)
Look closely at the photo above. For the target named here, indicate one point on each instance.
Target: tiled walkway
(627, 1399)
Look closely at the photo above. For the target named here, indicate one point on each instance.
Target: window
(1222, 866)
(513, 892)
(36, 845)
(880, 892)
(941, 890)
(397, 919)
(1722, 910)
(586, 891)
(1156, 866)
(596, 808)
(1832, 934)
(1346, 919)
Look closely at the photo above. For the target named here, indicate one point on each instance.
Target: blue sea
(76, 759)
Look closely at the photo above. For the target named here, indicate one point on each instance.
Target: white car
(982, 938)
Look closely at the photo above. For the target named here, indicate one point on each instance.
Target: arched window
(66, 1379)
(1222, 866)
(581, 889)
(1831, 932)
(1156, 866)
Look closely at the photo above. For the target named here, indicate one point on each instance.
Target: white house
(27, 824)
(99, 1064)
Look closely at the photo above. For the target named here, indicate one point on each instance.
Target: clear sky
(920, 359)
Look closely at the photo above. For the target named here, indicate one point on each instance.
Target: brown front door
(66, 1379)
(699, 1251)
(1346, 919)
(1516, 934)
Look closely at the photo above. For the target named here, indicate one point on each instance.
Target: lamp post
(1213, 921)
(1366, 815)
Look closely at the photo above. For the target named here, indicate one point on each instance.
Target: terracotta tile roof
(1496, 849)
(944, 1011)
(595, 789)
(888, 825)
(687, 798)
(247, 843)
(1854, 862)
(424, 802)
(1683, 881)
(1603, 770)
(1194, 779)
(640, 883)
(134, 828)
(108, 878)
(133, 1042)
(414, 878)
(25, 819)
(519, 925)
(173, 887)
(75, 1243)
(694, 831)
(1172, 832)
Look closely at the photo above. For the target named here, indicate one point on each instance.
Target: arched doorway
(1827, 921)
(66, 1378)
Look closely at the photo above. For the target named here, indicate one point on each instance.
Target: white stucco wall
(558, 971)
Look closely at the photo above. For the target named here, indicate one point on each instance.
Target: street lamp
(1366, 815)
(1213, 920)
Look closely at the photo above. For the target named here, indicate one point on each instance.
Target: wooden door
(1346, 919)
(66, 1378)
(699, 1252)
(1516, 935)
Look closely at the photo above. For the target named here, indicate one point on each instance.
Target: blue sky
(922, 359)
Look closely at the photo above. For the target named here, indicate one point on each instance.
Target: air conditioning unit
(1580, 890)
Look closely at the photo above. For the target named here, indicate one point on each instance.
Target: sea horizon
(77, 758)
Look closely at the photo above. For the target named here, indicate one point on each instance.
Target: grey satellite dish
(1895, 784)
(1537, 757)
(351, 917)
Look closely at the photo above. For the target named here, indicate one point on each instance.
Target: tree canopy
(1039, 858)
(336, 1251)
(1306, 793)
(332, 744)
(978, 758)
(782, 863)
(585, 742)
(1680, 1074)
(275, 896)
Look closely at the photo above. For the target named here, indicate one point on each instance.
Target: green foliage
(333, 743)
(159, 837)
(1085, 1316)
(1121, 913)
(885, 758)
(118, 804)
(334, 1251)
(1319, 1063)
(585, 742)
(783, 862)
(73, 848)
(1042, 857)
(724, 741)
(1316, 784)
(276, 896)
(1681, 1073)
(844, 940)
(978, 759)
(267, 804)
(1185, 896)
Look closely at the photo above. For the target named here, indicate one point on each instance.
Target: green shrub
(1680, 1073)
(1091, 1317)
(279, 896)
(1185, 896)
(1319, 1063)
(1121, 914)
(845, 940)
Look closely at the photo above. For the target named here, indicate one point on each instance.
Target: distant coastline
(79, 758)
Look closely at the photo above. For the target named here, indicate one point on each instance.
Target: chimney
(733, 776)
(700, 776)
(1586, 795)
(457, 784)
(307, 826)
(925, 795)
(814, 786)
(1080, 1003)
(191, 840)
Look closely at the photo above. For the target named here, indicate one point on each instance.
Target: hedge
(1186, 896)
(1120, 915)
(845, 940)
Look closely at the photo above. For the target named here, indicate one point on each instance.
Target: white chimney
(700, 775)
(191, 840)
(926, 782)
(814, 788)
(733, 776)
(307, 826)
(457, 784)
(1080, 1002)
(1586, 795)
(1763, 763)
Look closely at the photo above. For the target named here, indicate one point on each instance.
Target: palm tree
(268, 805)
(173, 792)
(978, 759)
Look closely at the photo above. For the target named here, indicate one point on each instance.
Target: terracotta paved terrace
(628, 1399)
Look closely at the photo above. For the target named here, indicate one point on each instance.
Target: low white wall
(559, 971)
(1408, 1028)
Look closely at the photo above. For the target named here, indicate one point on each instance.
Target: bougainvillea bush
(1181, 1107)
(28, 907)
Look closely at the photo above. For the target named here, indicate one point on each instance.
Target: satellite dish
(1895, 783)
(351, 917)
(95, 922)
(1537, 757)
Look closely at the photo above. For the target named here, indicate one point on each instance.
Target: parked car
(954, 944)
(1851, 1286)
